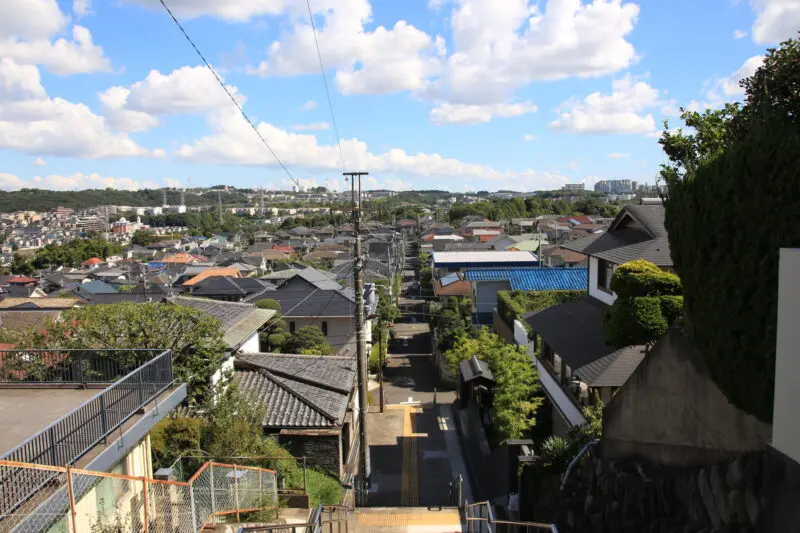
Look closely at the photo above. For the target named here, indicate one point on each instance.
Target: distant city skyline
(463, 95)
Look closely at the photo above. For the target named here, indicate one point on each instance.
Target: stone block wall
(321, 449)
(605, 496)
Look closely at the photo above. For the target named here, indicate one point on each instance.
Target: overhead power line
(325, 82)
(224, 88)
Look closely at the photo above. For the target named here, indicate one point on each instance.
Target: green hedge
(648, 302)
(727, 222)
(513, 304)
(642, 278)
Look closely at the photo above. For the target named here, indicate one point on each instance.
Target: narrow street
(414, 446)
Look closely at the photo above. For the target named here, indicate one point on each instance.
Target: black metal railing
(70, 437)
(479, 518)
(62, 366)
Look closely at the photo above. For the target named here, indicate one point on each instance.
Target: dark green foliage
(511, 305)
(729, 267)
(74, 252)
(633, 321)
(269, 303)
(648, 302)
(308, 340)
(451, 322)
(21, 265)
(143, 237)
(642, 278)
(505, 209)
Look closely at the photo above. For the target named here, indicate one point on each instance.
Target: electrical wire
(224, 88)
(325, 82)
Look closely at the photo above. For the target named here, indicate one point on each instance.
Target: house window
(325, 328)
(291, 327)
(605, 271)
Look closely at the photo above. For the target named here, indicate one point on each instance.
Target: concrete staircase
(407, 519)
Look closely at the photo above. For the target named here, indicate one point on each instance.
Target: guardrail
(322, 519)
(84, 367)
(586, 448)
(480, 518)
(84, 500)
(71, 436)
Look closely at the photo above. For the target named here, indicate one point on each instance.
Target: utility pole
(361, 345)
(380, 360)
(219, 203)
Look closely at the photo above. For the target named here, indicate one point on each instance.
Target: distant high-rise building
(573, 187)
(615, 186)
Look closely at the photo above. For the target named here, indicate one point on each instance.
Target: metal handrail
(24, 367)
(491, 521)
(314, 523)
(70, 437)
(589, 445)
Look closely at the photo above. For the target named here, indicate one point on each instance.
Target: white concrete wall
(340, 329)
(786, 416)
(251, 345)
(594, 291)
(225, 368)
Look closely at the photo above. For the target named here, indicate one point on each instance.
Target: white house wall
(594, 291)
(486, 294)
(251, 345)
(786, 417)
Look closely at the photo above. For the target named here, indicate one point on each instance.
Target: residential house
(92, 263)
(488, 282)
(213, 272)
(310, 402)
(312, 298)
(448, 262)
(558, 256)
(229, 289)
(39, 304)
(573, 348)
(406, 226)
(91, 288)
(451, 285)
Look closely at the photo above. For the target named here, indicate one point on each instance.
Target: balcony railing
(480, 518)
(84, 367)
(70, 437)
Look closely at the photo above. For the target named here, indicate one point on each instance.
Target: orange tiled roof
(213, 272)
(179, 258)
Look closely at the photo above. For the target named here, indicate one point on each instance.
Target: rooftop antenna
(183, 195)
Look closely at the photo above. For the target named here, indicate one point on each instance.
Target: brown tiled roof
(568, 256)
(40, 303)
(232, 272)
(457, 288)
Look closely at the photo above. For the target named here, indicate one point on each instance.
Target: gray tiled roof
(225, 285)
(229, 313)
(298, 390)
(638, 232)
(575, 332)
(301, 298)
(473, 368)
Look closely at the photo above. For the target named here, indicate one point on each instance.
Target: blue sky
(454, 94)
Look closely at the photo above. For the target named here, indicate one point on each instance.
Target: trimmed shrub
(269, 303)
(643, 278)
(648, 302)
(727, 221)
(634, 321)
(511, 305)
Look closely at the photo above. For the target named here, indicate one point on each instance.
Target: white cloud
(572, 165)
(620, 112)
(381, 61)
(739, 34)
(19, 82)
(62, 57)
(233, 142)
(722, 90)
(30, 19)
(185, 90)
(77, 181)
(316, 126)
(37, 124)
(502, 46)
(776, 20)
(617, 155)
(476, 114)
(397, 185)
(231, 10)
(81, 8)
(308, 106)
(529, 137)
(39, 162)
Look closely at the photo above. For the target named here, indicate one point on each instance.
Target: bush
(511, 305)
(269, 303)
(647, 303)
(642, 278)
(634, 321)
(727, 221)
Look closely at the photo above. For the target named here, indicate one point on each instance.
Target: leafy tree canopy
(743, 168)
(194, 337)
(74, 252)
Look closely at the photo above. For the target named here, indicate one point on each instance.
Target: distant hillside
(42, 200)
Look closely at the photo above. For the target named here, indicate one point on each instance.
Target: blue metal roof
(534, 279)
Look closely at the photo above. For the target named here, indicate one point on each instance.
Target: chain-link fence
(69, 500)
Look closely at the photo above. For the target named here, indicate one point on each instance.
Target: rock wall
(606, 496)
(321, 449)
